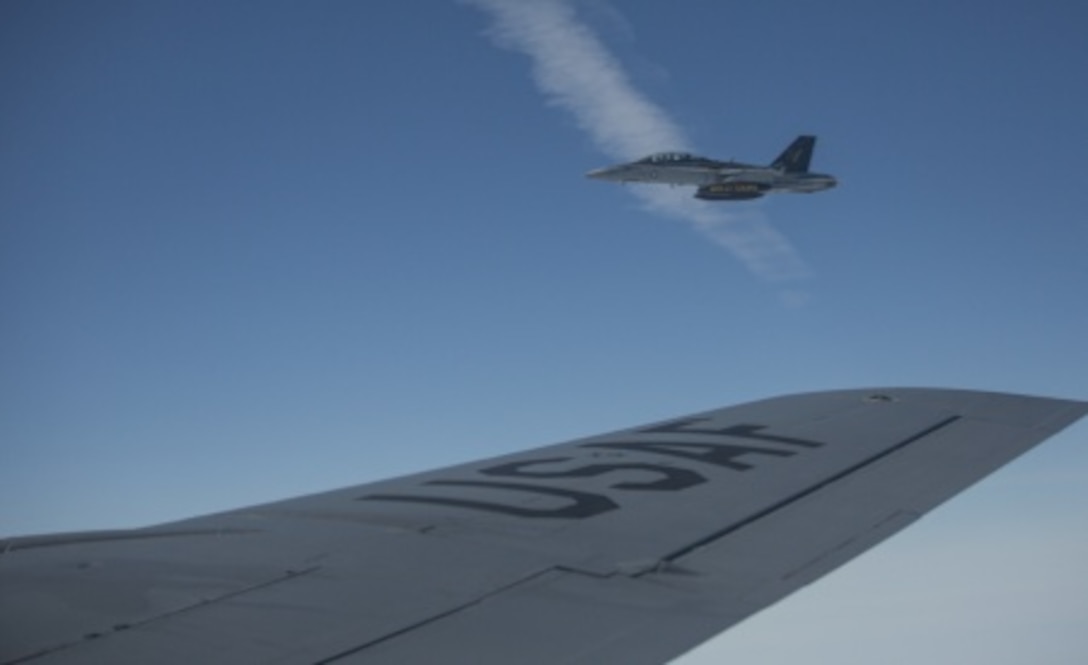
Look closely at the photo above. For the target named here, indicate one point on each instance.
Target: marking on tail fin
(797, 156)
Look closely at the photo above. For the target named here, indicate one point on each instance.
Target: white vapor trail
(575, 71)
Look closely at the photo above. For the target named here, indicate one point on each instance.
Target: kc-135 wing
(630, 547)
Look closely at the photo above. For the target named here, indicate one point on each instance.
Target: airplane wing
(630, 547)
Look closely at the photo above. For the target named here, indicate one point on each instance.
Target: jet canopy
(677, 159)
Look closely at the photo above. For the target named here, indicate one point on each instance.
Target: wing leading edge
(630, 547)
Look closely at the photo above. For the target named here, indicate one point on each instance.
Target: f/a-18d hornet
(726, 181)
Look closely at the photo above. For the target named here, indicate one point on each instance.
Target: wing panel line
(706, 540)
(431, 619)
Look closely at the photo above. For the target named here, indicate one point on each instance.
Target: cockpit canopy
(677, 159)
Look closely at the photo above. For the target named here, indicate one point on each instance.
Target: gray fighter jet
(726, 181)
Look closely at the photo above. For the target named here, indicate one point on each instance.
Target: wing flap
(298, 593)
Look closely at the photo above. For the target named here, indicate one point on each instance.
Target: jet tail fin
(796, 158)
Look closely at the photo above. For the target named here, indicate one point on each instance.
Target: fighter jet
(726, 181)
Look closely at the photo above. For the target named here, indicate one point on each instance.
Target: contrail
(575, 71)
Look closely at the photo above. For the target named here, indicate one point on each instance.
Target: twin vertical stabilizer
(796, 158)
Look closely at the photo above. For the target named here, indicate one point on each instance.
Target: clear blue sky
(255, 249)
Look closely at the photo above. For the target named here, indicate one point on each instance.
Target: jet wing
(630, 547)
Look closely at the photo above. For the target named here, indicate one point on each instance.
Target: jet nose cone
(611, 173)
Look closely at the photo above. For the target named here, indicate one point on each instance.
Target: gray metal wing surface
(630, 547)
